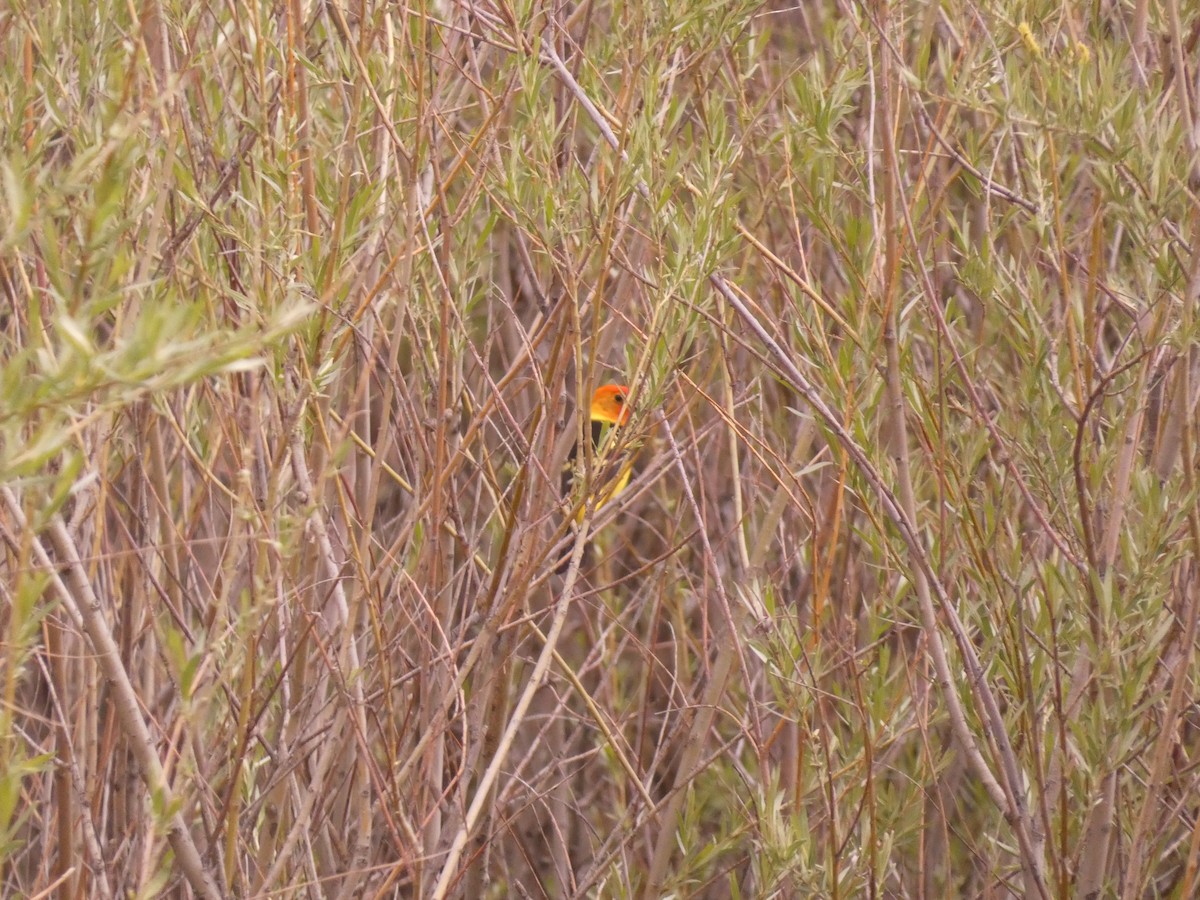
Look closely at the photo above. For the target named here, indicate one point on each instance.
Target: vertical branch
(729, 655)
(87, 610)
(1135, 874)
(297, 80)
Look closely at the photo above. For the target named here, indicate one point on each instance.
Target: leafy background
(301, 299)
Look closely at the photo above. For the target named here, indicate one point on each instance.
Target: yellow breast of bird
(609, 474)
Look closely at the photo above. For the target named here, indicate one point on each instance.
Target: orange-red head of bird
(610, 404)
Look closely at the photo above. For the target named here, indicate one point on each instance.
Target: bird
(609, 411)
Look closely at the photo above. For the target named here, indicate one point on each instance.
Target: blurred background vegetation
(300, 301)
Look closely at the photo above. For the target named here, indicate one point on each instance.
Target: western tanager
(609, 411)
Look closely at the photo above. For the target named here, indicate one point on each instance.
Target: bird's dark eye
(618, 399)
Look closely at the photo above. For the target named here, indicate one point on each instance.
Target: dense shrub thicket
(301, 299)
